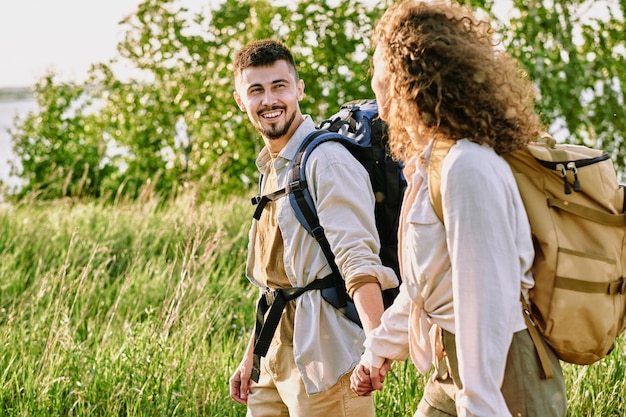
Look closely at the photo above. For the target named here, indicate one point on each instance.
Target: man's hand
(240, 381)
(367, 378)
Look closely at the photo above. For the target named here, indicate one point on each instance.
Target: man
(306, 370)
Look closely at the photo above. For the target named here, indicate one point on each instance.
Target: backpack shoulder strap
(440, 149)
(304, 209)
(297, 181)
(299, 195)
(303, 205)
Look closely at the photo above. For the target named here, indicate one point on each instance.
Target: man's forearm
(369, 304)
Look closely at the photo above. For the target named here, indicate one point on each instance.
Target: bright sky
(64, 36)
(67, 36)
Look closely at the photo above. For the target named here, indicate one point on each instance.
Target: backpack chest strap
(260, 201)
(275, 301)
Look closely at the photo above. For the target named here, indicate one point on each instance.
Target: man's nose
(269, 98)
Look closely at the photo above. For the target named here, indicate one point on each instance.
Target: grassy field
(142, 309)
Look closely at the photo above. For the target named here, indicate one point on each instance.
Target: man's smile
(272, 114)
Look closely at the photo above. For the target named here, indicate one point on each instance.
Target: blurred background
(115, 95)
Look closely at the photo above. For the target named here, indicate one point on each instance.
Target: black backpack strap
(275, 301)
(261, 201)
(304, 208)
(306, 213)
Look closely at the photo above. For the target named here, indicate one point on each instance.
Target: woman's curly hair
(448, 79)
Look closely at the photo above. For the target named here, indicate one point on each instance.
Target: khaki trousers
(280, 390)
(525, 392)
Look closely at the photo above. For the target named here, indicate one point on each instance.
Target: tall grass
(132, 309)
(142, 309)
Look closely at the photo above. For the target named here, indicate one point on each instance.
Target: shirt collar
(290, 149)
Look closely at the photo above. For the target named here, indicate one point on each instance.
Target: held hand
(360, 381)
(366, 378)
(240, 382)
(378, 374)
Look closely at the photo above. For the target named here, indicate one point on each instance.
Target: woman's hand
(366, 378)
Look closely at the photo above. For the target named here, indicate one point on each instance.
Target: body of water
(10, 107)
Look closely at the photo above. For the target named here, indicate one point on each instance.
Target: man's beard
(272, 132)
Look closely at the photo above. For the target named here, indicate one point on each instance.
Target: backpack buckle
(318, 233)
(296, 186)
(270, 295)
(617, 287)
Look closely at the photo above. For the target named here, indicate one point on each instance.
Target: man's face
(270, 96)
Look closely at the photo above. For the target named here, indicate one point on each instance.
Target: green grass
(142, 309)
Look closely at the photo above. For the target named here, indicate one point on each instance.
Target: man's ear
(300, 90)
(239, 101)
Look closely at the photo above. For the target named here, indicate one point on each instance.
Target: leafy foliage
(576, 53)
(62, 148)
(177, 126)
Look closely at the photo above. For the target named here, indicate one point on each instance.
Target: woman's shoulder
(473, 164)
(467, 155)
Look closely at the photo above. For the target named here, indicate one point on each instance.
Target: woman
(438, 76)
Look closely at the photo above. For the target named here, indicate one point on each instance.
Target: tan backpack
(576, 211)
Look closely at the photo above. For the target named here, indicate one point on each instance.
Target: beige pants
(280, 390)
(525, 392)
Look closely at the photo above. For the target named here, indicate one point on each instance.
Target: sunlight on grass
(143, 309)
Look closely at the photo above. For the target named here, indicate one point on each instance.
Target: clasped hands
(366, 378)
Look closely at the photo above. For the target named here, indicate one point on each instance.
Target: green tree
(178, 126)
(61, 147)
(575, 51)
(182, 127)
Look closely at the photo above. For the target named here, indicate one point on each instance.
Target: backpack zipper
(573, 166)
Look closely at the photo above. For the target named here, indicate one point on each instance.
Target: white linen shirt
(326, 344)
(465, 278)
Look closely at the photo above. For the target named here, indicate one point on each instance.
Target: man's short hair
(263, 53)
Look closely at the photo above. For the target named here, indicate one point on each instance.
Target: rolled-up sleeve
(345, 203)
(357, 282)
